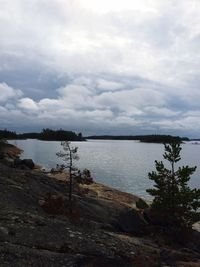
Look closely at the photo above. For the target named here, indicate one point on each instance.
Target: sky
(100, 66)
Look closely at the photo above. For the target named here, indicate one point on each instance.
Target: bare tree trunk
(70, 184)
(172, 190)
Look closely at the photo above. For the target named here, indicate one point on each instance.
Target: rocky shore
(107, 227)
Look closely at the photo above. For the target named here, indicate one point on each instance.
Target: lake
(121, 164)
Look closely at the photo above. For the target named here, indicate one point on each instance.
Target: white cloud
(166, 112)
(130, 101)
(103, 6)
(7, 92)
(108, 85)
(185, 124)
(50, 104)
(28, 104)
(79, 104)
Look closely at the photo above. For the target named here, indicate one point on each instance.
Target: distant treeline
(142, 138)
(62, 135)
(46, 134)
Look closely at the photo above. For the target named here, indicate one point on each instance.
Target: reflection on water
(120, 164)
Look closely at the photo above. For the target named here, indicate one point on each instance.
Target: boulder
(131, 221)
(17, 162)
(112, 215)
(24, 163)
(28, 163)
(99, 210)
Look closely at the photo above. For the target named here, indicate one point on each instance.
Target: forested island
(63, 135)
(46, 135)
(142, 138)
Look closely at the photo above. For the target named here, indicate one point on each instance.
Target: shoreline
(101, 190)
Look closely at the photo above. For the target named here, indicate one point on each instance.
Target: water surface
(120, 164)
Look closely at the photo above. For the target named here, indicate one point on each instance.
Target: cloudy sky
(100, 66)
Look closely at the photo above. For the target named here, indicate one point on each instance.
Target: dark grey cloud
(100, 66)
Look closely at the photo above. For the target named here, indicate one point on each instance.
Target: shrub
(53, 204)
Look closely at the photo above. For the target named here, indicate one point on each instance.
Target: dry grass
(101, 191)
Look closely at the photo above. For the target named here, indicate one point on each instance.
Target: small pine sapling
(69, 155)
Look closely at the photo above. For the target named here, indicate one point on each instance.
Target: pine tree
(68, 156)
(173, 198)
